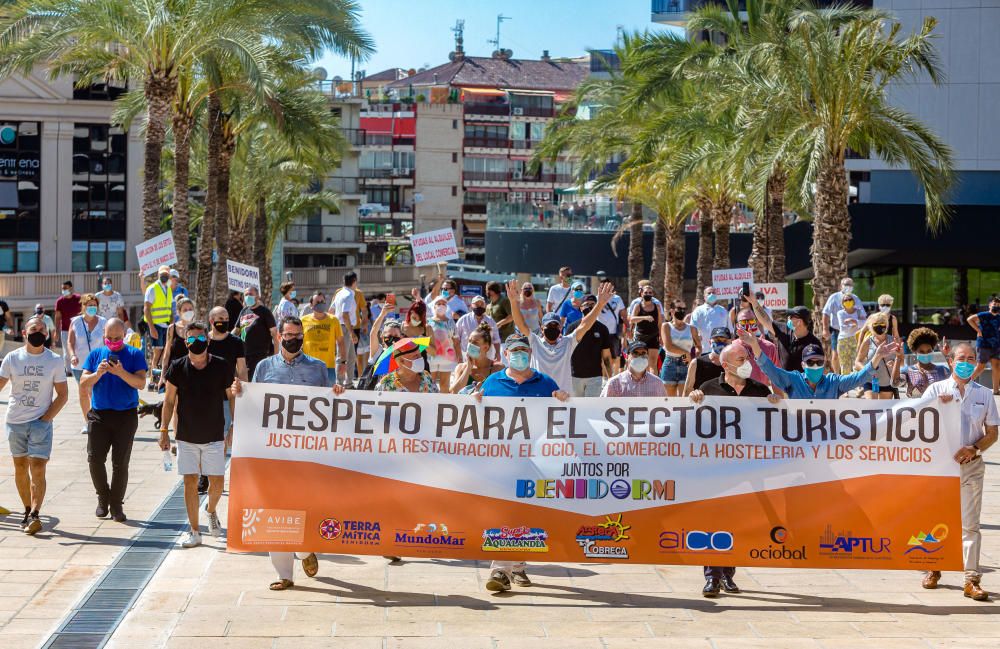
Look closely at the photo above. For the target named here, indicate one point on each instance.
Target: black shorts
(616, 346)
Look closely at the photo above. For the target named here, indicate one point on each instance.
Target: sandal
(282, 584)
(310, 565)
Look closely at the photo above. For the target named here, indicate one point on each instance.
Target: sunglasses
(191, 339)
(814, 363)
(747, 323)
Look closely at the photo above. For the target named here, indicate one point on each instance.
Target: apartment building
(70, 190)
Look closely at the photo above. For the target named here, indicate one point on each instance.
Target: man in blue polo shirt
(518, 380)
(113, 373)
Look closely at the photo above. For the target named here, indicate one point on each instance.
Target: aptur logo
(846, 544)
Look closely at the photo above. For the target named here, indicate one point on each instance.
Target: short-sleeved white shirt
(343, 303)
(609, 314)
(108, 305)
(705, 318)
(554, 360)
(31, 379)
(979, 408)
(556, 294)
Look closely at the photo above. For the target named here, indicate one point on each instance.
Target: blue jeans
(31, 439)
(674, 370)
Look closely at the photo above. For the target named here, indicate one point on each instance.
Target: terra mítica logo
(601, 541)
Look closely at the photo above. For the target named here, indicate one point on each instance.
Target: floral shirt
(390, 383)
(443, 336)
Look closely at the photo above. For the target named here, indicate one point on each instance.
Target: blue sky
(415, 33)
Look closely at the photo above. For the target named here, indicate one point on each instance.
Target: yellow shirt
(359, 300)
(320, 338)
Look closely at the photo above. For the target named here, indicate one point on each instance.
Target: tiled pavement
(206, 598)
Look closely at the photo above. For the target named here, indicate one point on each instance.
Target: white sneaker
(214, 526)
(191, 539)
(84, 430)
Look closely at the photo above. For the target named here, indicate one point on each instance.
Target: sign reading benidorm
(841, 483)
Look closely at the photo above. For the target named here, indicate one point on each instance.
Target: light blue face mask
(292, 294)
(964, 370)
(578, 295)
(473, 351)
(91, 311)
(813, 374)
(925, 358)
(519, 361)
(711, 298)
(790, 324)
(250, 300)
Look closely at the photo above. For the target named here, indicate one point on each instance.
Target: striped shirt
(625, 385)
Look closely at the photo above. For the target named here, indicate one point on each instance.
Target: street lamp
(100, 277)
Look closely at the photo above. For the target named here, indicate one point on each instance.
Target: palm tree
(825, 91)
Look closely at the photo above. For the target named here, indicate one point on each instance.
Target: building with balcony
(70, 189)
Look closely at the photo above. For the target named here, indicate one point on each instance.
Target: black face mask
(587, 309)
(222, 326)
(479, 310)
(164, 278)
(647, 298)
(198, 347)
(551, 334)
(995, 309)
(680, 313)
(37, 338)
(390, 340)
(293, 346)
(879, 330)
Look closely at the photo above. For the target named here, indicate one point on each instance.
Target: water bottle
(875, 384)
(168, 461)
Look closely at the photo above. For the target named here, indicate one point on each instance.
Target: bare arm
(973, 321)
(515, 308)
(989, 440)
(606, 362)
(3, 383)
(58, 326)
(696, 338)
(135, 379)
(71, 345)
(862, 353)
(167, 344)
(689, 382)
(62, 394)
(169, 401)
(763, 319)
(274, 339)
(241, 368)
(603, 295)
(668, 341)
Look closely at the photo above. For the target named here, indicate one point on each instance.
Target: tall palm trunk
(227, 148)
(241, 239)
(704, 246)
(182, 124)
(206, 242)
(722, 221)
(673, 281)
(760, 247)
(636, 261)
(831, 234)
(961, 293)
(776, 227)
(259, 254)
(657, 268)
(159, 90)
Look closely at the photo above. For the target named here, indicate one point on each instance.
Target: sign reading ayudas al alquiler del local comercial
(732, 481)
(434, 246)
(156, 252)
(728, 281)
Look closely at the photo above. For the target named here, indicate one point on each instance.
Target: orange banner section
(854, 523)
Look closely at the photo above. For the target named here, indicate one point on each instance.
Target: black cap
(636, 344)
(722, 332)
(590, 297)
(798, 312)
(812, 351)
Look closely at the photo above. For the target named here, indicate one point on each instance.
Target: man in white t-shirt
(345, 307)
(709, 315)
(110, 303)
(559, 292)
(611, 316)
(552, 352)
(34, 373)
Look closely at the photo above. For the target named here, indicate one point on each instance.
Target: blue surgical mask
(790, 324)
(925, 358)
(445, 293)
(107, 287)
(964, 370)
(292, 294)
(91, 311)
(578, 295)
(519, 361)
(473, 351)
(813, 374)
(711, 298)
(250, 300)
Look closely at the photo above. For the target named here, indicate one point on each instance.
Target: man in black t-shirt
(257, 328)
(792, 338)
(707, 366)
(591, 359)
(225, 345)
(196, 383)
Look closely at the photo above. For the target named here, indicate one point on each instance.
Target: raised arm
(515, 308)
(763, 320)
(604, 294)
(781, 379)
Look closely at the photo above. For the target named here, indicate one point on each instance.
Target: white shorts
(201, 459)
(442, 365)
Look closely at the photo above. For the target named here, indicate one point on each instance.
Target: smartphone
(746, 288)
(113, 359)
(390, 299)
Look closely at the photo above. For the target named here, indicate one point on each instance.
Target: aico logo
(846, 545)
(600, 541)
(515, 539)
(696, 541)
(430, 534)
(778, 536)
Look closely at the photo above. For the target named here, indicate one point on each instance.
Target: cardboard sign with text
(728, 281)
(434, 246)
(775, 295)
(241, 276)
(156, 252)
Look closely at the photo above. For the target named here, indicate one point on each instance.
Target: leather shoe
(973, 591)
(729, 585)
(102, 510)
(931, 579)
(117, 515)
(712, 588)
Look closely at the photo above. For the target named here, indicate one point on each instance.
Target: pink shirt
(770, 350)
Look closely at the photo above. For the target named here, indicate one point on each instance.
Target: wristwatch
(979, 451)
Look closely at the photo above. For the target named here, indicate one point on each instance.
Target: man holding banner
(980, 420)
(291, 366)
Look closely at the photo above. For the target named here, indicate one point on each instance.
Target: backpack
(368, 380)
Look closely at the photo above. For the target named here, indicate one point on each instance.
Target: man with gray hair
(113, 374)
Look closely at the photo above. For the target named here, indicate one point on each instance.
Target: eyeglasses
(813, 363)
(191, 339)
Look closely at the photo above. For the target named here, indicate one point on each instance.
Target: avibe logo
(777, 549)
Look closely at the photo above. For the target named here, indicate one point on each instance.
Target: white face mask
(638, 364)
(847, 290)
(187, 316)
(440, 310)
(417, 366)
(745, 370)
(885, 309)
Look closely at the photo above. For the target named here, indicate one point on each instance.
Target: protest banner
(775, 295)
(733, 481)
(728, 281)
(433, 247)
(156, 252)
(241, 276)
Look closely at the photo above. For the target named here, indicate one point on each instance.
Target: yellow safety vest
(163, 300)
